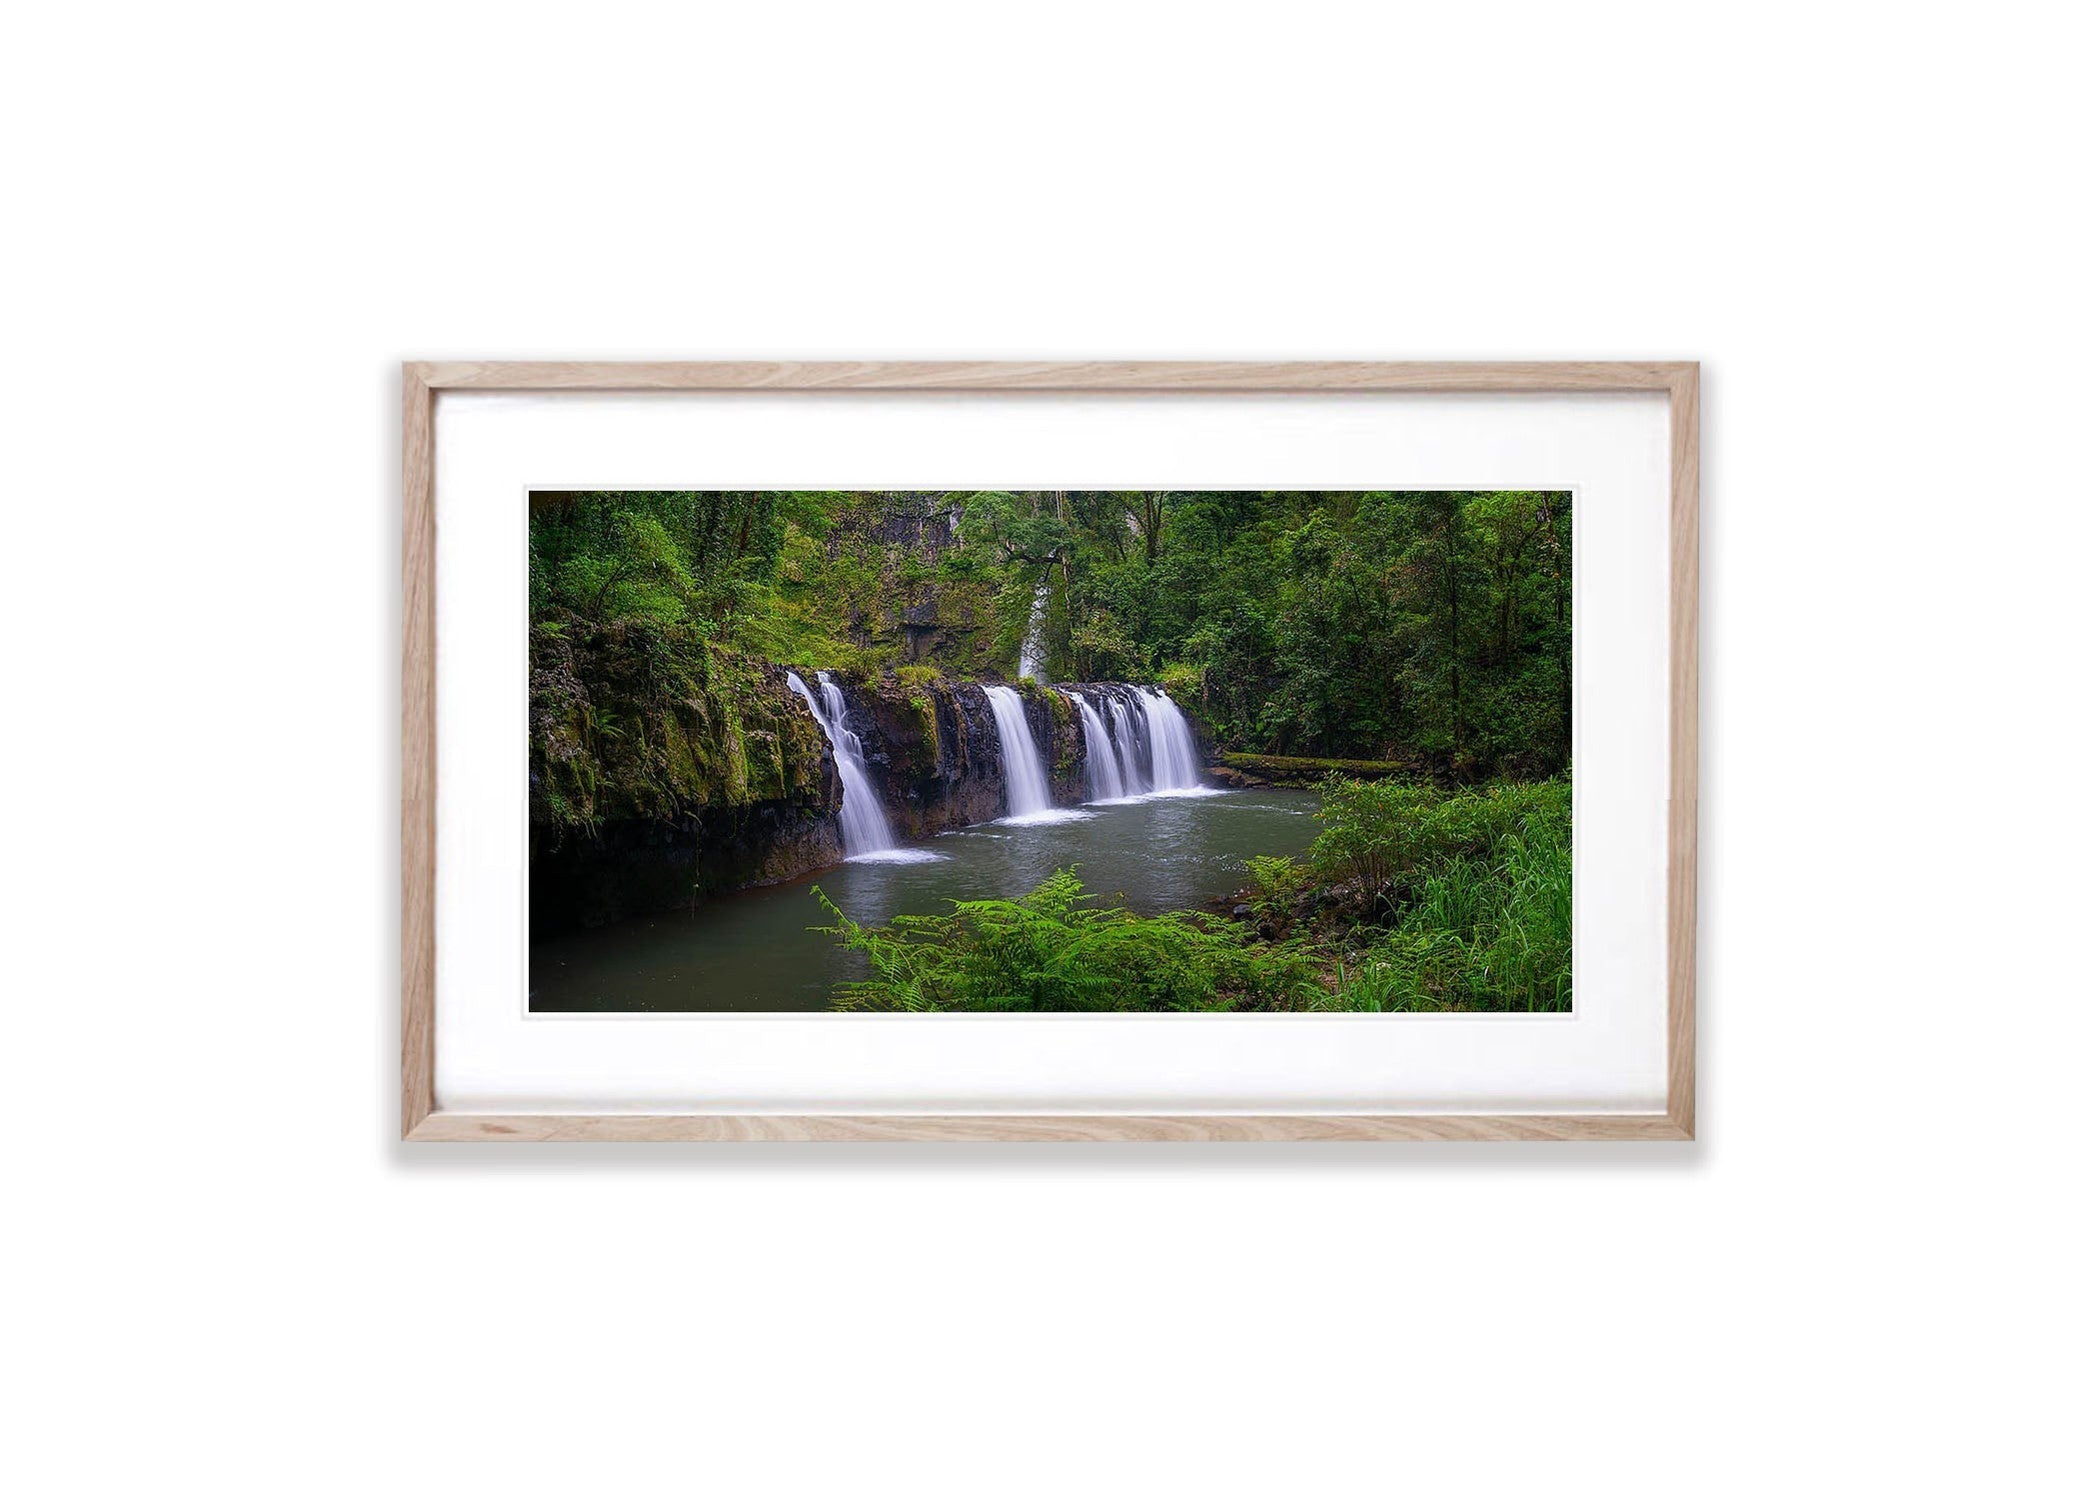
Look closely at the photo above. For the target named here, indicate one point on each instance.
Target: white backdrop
(228, 224)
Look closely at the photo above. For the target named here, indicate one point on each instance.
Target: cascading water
(866, 829)
(1103, 774)
(1027, 787)
(1175, 765)
(1031, 652)
(1138, 744)
(1149, 749)
(1136, 777)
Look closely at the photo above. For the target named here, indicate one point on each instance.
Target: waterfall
(1175, 765)
(1031, 653)
(1138, 744)
(1150, 748)
(1027, 787)
(1103, 774)
(1135, 778)
(866, 829)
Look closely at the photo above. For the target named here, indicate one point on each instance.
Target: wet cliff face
(1061, 738)
(660, 776)
(630, 722)
(637, 867)
(661, 771)
(932, 752)
(917, 616)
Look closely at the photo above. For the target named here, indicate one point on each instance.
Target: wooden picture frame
(421, 383)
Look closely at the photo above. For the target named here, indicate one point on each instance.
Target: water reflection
(754, 950)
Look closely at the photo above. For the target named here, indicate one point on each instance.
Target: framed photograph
(1049, 751)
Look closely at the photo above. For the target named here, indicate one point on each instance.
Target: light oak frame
(420, 385)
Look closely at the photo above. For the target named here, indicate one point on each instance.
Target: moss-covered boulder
(1061, 739)
(931, 747)
(663, 769)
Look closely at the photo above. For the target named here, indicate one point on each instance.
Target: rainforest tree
(1432, 627)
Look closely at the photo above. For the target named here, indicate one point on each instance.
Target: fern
(1058, 949)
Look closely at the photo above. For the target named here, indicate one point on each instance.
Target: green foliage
(1278, 882)
(640, 705)
(1056, 949)
(671, 557)
(1478, 888)
(1389, 626)
(1474, 911)
(1427, 628)
(1015, 529)
(640, 720)
(1384, 832)
(1102, 650)
(1181, 681)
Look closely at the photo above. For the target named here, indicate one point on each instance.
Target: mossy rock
(1302, 770)
(640, 721)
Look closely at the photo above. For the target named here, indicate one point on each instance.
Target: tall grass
(1479, 887)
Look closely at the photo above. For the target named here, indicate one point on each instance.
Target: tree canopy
(1428, 625)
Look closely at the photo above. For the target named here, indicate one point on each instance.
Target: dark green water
(753, 951)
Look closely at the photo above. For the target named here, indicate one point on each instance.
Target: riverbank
(1239, 769)
(1411, 899)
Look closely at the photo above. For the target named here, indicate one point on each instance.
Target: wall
(231, 224)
